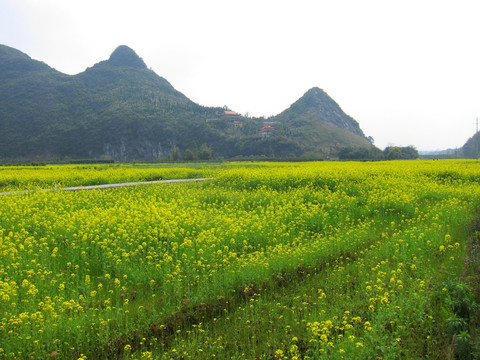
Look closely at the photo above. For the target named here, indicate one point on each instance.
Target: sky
(408, 71)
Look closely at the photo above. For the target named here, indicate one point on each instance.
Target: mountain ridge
(120, 109)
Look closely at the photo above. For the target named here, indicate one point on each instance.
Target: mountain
(116, 109)
(318, 124)
(316, 106)
(471, 149)
(119, 109)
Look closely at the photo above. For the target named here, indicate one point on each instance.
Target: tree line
(389, 153)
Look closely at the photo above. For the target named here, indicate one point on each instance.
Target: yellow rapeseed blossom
(73, 264)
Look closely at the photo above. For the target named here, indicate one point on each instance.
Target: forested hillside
(119, 109)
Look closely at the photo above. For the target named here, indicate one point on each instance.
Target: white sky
(407, 70)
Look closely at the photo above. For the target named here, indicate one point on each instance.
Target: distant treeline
(389, 153)
(350, 153)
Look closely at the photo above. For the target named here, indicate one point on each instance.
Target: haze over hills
(119, 109)
(469, 150)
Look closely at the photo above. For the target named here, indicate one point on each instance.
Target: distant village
(234, 120)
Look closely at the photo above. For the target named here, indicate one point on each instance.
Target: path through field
(108, 186)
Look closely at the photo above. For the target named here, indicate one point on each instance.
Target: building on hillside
(266, 131)
(226, 119)
(230, 115)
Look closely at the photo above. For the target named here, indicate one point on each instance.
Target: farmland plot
(282, 260)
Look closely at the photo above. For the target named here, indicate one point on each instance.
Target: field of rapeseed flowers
(267, 260)
(15, 178)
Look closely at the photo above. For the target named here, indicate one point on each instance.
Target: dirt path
(107, 186)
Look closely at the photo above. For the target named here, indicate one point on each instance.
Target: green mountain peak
(317, 106)
(13, 60)
(315, 91)
(125, 56)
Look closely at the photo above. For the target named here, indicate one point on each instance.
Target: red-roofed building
(266, 131)
(231, 115)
